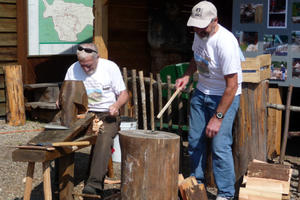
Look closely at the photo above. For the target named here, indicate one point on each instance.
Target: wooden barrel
(150, 165)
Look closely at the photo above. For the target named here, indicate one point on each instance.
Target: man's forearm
(122, 99)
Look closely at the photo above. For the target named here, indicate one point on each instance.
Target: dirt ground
(12, 174)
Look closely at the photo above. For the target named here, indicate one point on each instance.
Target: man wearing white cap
(215, 101)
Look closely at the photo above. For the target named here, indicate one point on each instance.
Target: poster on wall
(251, 13)
(279, 70)
(275, 45)
(248, 41)
(296, 12)
(58, 26)
(296, 68)
(277, 13)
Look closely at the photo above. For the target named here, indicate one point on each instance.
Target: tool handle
(168, 103)
(79, 143)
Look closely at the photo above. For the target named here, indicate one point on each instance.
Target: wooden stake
(151, 103)
(143, 97)
(126, 84)
(159, 87)
(168, 103)
(134, 94)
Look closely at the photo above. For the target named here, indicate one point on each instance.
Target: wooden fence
(149, 95)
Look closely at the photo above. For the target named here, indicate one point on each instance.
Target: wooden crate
(256, 69)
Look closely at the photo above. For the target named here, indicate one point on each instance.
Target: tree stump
(73, 100)
(150, 165)
(15, 96)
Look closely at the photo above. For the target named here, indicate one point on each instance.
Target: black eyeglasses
(87, 50)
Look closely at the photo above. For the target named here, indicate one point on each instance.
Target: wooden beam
(101, 27)
(250, 194)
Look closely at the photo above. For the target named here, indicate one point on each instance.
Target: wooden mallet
(168, 103)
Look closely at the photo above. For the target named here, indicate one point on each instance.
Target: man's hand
(114, 110)
(213, 127)
(182, 82)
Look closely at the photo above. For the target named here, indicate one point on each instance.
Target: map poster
(57, 26)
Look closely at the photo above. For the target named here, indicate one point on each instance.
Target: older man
(216, 99)
(106, 95)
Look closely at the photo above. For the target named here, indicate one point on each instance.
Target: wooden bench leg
(29, 177)
(66, 176)
(47, 181)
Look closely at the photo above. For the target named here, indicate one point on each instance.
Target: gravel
(12, 181)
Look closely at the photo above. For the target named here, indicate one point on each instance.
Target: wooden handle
(79, 143)
(168, 103)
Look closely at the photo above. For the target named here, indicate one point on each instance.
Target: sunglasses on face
(87, 50)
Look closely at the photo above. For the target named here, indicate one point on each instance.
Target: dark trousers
(102, 150)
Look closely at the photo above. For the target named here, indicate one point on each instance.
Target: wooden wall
(8, 43)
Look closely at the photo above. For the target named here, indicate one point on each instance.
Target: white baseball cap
(202, 14)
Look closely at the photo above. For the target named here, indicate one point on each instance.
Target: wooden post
(150, 163)
(73, 100)
(143, 97)
(15, 96)
(126, 84)
(159, 87)
(135, 97)
(29, 177)
(286, 124)
(151, 103)
(101, 27)
(170, 107)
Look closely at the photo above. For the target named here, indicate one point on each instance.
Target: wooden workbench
(65, 156)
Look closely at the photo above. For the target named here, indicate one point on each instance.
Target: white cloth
(216, 57)
(102, 87)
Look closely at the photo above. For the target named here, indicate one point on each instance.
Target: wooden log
(159, 88)
(250, 127)
(47, 181)
(135, 97)
(143, 97)
(191, 190)
(29, 177)
(73, 100)
(151, 102)
(150, 164)
(252, 194)
(15, 96)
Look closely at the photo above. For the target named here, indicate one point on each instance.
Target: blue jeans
(202, 109)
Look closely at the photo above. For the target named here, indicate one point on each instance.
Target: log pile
(265, 181)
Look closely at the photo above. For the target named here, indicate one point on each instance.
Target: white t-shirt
(216, 57)
(102, 87)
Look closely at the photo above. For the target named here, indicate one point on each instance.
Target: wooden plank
(63, 135)
(269, 185)
(2, 81)
(2, 109)
(251, 194)
(8, 25)
(8, 53)
(8, 10)
(8, 1)
(2, 95)
(267, 170)
(40, 85)
(8, 39)
(42, 105)
(274, 124)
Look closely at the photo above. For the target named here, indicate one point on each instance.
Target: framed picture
(296, 68)
(278, 70)
(277, 13)
(296, 12)
(251, 13)
(57, 27)
(248, 40)
(295, 46)
(275, 45)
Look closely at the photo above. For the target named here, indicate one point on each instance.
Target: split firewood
(107, 181)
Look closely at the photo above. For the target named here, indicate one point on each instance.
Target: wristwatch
(219, 115)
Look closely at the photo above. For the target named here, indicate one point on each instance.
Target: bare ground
(12, 174)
